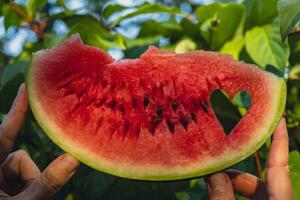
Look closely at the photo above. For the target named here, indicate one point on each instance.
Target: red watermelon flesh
(149, 118)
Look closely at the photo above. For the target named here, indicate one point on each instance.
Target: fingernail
(21, 88)
(70, 163)
(20, 92)
(283, 122)
(218, 182)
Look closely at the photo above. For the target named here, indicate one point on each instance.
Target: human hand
(20, 178)
(277, 186)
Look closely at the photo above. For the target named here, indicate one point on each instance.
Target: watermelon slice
(149, 118)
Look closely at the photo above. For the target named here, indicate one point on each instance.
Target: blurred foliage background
(263, 32)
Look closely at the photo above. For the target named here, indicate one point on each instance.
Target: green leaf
(182, 196)
(185, 45)
(11, 18)
(145, 190)
(219, 22)
(33, 5)
(226, 112)
(295, 72)
(294, 163)
(265, 47)
(294, 44)
(196, 191)
(207, 31)
(148, 8)
(97, 183)
(51, 40)
(247, 165)
(142, 41)
(168, 29)
(89, 22)
(12, 70)
(233, 47)
(93, 38)
(190, 28)
(242, 99)
(61, 3)
(204, 13)
(99, 36)
(2, 4)
(111, 9)
(135, 52)
(8, 92)
(293, 108)
(260, 12)
(289, 15)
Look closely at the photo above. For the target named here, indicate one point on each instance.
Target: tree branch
(36, 26)
(13, 6)
(258, 164)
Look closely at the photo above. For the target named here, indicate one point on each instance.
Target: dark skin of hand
(222, 185)
(20, 178)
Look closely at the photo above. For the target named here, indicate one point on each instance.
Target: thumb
(220, 187)
(53, 178)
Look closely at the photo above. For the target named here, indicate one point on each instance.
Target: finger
(278, 181)
(279, 151)
(58, 173)
(3, 195)
(219, 187)
(12, 123)
(51, 180)
(247, 185)
(18, 168)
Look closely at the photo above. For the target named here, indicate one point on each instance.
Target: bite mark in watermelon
(149, 118)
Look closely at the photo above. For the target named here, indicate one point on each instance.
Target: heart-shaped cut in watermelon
(149, 118)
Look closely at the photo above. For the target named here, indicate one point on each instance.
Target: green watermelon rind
(144, 173)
